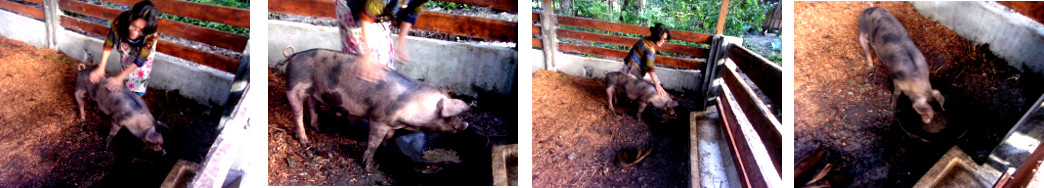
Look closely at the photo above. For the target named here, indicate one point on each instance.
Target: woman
(133, 34)
(364, 29)
(639, 62)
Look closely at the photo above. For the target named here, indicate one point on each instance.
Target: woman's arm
(110, 42)
(400, 44)
(116, 83)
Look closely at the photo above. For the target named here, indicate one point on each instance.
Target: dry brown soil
(45, 145)
(576, 137)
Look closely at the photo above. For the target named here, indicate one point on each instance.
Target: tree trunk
(567, 7)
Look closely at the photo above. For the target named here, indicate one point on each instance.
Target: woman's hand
(97, 74)
(114, 84)
(660, 92)
(369, 69)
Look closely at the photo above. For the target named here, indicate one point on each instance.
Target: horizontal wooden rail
(660, 60)
(38, 2)
(763, 121)
(188, 31)
(765, 74)
(748, 153)
(22, 9)
(226, 15)
(483, 28)
(628, 28)
(537, 43)
(628, 42)
(207, 59)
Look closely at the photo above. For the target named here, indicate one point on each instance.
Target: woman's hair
(141, 10)
(658, 30)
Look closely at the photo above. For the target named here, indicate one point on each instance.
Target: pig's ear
(154, 136)
(451, 107)
(672, 103)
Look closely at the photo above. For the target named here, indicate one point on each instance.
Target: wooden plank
(483, 28)
(536, 30)
(313, 8)
(22, 9)
(537, 43)
(738, 148)
(504, 5)
(628, 42)
(627, 28)
(721, 17)
(38, 2)
(203, 58)
(748, 152)
(179, 29)
(763, 121)
(766, 75)
(211, 60)
(469, 26)
(226, 15)
(205, 35)
(606, 52)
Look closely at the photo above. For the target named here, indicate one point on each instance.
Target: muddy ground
(45, 145)
(576, 137)
(335, 153)
(842, 106)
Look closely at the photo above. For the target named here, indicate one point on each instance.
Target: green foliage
(448, 6)
(227, 3)
(207, 24)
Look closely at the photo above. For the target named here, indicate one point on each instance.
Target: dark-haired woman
(133, 35)
(640, 61)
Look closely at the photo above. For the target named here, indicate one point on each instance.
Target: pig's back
(892, 44)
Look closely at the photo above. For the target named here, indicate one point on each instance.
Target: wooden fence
(225, 15)
(476, 27)
(587, 23)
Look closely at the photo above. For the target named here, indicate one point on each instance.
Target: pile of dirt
(843, 106)
(334, 155)
(576, 137)
(46, 146)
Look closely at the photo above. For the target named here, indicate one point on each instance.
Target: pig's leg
(79, 100)
(378, 131)
(864, 39)
(895, 95)
(641, 108)
(112, 134)
(609, 92)
(938, 97)
(311, 113)
(296, 98)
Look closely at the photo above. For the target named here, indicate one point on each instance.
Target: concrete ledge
(467, 69)
(206, 85)
(674, 79)
(25, 29)
(1014, 37)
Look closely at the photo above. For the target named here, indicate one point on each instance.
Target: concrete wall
(25, 29)
(460, 67)
(673, 79)
(1016, 38)
(201, 83)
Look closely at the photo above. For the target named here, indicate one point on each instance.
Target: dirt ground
(335, 154)
(46, 146)
(576, 137)
(842, 106)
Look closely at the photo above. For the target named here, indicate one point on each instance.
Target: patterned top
(124, 45)
(387, 10)
(641, 57)
(141, 56)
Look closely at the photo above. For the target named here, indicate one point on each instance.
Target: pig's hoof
(304, 144)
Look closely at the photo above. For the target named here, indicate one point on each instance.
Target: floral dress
(138, 52)
(383, 12)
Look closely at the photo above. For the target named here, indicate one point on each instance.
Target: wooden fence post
(548, 25)
(52, 18)
(712, 70)
(721, 17)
